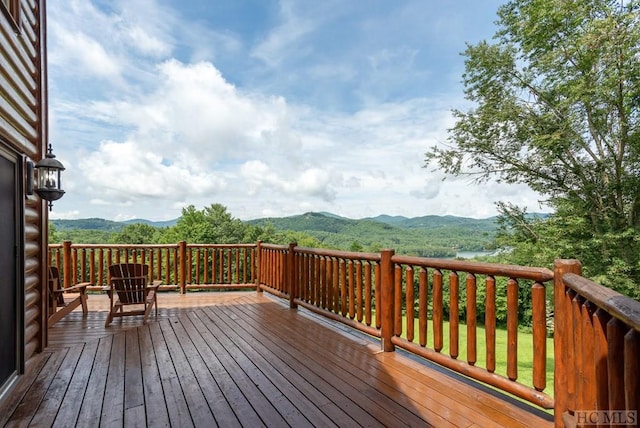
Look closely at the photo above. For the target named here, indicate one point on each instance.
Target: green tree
(138, 233)
(557, 107)
(211, 225)
(54, 236)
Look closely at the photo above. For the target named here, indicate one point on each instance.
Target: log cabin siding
(21, 81)
(23, 125)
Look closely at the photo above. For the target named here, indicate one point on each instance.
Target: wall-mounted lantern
(48, 185)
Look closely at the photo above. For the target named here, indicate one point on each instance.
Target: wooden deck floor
(238, 359)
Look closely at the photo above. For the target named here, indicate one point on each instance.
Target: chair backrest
(130, 281)
(54, 284)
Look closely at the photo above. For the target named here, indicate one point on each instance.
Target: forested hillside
(423, 236)
(431, 236)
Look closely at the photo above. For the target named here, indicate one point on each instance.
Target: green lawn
(525, 351)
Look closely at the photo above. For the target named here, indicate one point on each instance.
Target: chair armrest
(79, 286)
(155, 284)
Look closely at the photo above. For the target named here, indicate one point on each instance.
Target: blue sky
(268, 107)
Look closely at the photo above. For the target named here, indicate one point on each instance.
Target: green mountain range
(428, 236)
(423, 236)
(106, 225)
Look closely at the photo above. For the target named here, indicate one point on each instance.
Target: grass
(525, 351)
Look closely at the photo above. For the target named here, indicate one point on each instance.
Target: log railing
(179, 266)
(597, 352)
(418, 286)
(596, 331)
(370, 291)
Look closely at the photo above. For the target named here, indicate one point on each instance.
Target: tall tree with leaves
(557, 106)
(211, 225)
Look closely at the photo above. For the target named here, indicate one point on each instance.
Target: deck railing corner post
(387, 299)
(291, 275)
(562, 338)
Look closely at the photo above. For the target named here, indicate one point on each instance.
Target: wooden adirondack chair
(58, 308)
(129, 286)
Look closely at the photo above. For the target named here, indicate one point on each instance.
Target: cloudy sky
(268, 107)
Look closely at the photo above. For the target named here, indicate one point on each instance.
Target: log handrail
(597, 350)
(496, 269)
(615, 304)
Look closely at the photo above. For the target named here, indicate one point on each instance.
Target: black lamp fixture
(49, 171)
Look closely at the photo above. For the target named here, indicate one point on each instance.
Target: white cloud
(285, 37)
(88, 57)
(159, 123)
(128, 172)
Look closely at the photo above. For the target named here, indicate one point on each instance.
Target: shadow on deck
(239, 359)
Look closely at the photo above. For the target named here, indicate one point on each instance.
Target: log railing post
(562, 337)
(387, 299)
(291, 275)
(66, 267)
(182, 281)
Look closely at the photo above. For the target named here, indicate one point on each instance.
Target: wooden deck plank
(177, 407)
(435, 400)
(112, 406)
(134, 414)
(91, 410)
(438, 398)
(156, 408)
(307, 399)
(262, 406)
(447, 393)
(50, 404)
(247, 360)
(70, 407)
(235, 398)
(222, 411)
(33, 370)
(313, 385)
(333, 400)
(280, 401)
(201, 414)
(342, 371)
(26, 410)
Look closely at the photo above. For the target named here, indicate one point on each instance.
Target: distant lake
(471, 254)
